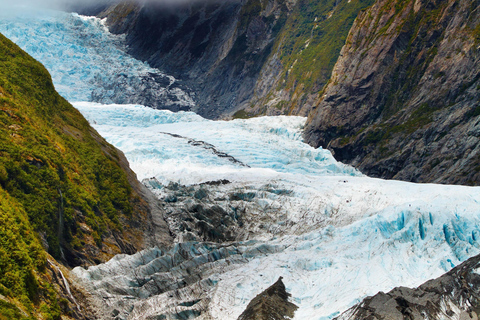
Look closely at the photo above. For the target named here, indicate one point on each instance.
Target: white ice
(351, 235)
(268, 145)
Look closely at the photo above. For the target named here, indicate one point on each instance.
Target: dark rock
(402, 102)
(272, 304)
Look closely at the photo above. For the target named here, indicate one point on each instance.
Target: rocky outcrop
(402, 102)
(271, 304)
(216, 47)
(303, 57)
(455, 295)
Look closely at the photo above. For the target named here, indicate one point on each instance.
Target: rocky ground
(454, 295)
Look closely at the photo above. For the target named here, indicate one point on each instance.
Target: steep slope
(21, 257)
(252, 57)
(77, 190)
(217, 47)
(303, 57)
(403, 100)
(455, 295)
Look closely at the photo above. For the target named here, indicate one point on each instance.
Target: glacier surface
(87, 63)
(334, 235)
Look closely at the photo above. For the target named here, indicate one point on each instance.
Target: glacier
(87, 63)
(334, 235)
(287, 209)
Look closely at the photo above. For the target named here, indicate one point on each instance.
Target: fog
(52, 4)
(68, 4)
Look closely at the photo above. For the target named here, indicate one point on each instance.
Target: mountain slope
(403, 100)
(61, 186)
(303, 57)
(254, 57)
(454, 295)
(217, 47)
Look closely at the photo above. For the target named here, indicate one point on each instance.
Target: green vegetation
(55, 172)
(311, 40)
(22, 263)
(241, 114)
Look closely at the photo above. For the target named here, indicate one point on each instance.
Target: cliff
(403, 100)
(216, 47)
(303, 56)
(64, 191)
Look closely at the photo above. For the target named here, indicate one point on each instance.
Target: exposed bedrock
(403, 100)
(454, 295)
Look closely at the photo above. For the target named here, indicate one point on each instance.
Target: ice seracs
(87, 63)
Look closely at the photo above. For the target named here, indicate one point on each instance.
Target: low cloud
(66, 4)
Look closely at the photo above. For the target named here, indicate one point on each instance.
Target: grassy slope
(55, 175)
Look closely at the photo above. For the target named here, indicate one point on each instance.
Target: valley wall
(402, 102)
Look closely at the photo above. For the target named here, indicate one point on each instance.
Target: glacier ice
(333, 234)
(268, 145)
(87, 63)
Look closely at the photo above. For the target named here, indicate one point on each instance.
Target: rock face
(403, 100)
(454, 295)
(271, 304)
(251, 57)
(303, 57)
(217, 47)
